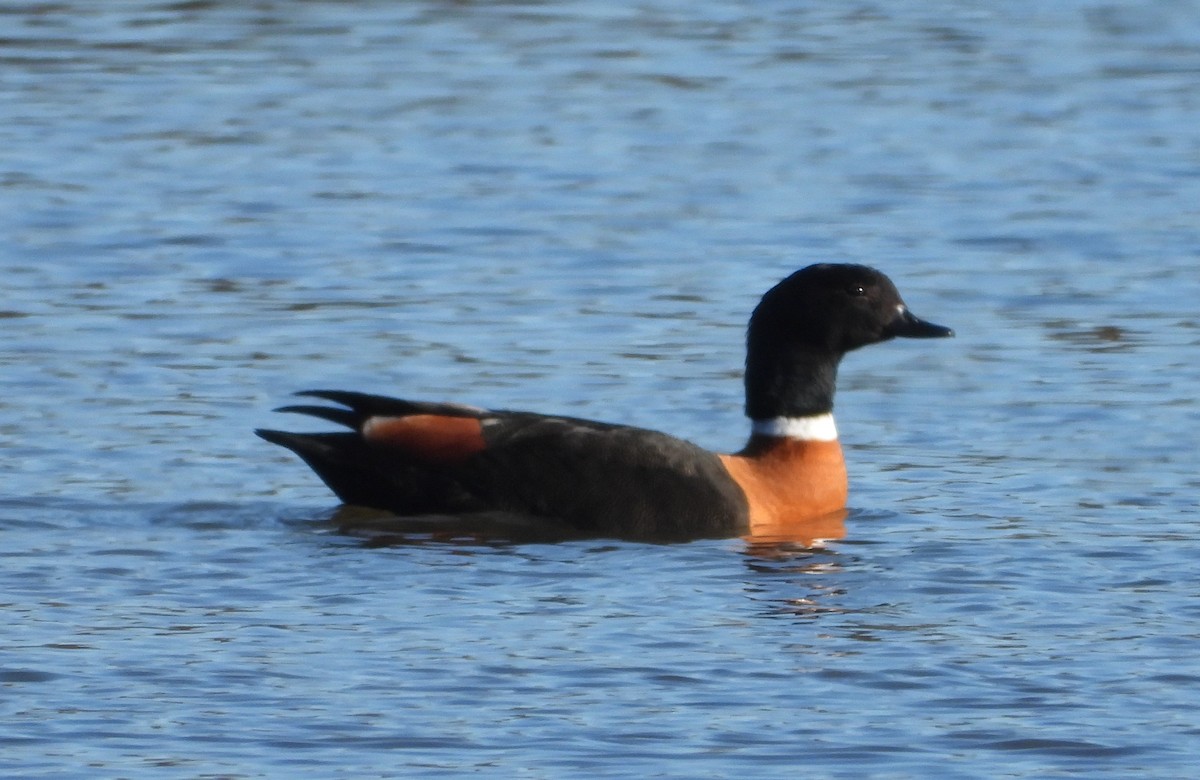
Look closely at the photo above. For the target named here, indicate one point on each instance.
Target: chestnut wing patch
(432, 438)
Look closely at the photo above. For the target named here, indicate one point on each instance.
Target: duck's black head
(806, 323)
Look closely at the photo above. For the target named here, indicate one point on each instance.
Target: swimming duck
(453, 462)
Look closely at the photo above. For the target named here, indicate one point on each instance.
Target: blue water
(572, 207)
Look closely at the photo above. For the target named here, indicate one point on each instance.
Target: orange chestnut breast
(788, 480)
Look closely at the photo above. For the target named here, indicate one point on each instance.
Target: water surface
(573, 208)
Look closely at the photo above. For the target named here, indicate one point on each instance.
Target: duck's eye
(857, 291)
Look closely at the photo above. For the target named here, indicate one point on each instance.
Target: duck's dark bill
(908, 325)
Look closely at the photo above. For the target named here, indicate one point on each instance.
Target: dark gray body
(583, 477)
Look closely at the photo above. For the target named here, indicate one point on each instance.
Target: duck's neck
(817, 427)
(791, 382)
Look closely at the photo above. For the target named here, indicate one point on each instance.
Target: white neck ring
(817, 427)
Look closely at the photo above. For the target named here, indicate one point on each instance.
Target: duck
(441, 463)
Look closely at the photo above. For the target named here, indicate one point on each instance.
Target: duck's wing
(418, 458)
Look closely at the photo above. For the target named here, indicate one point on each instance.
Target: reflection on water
(377, 528)
(383, 528)
(796, 581)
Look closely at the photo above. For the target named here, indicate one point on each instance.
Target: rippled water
(572, 207)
